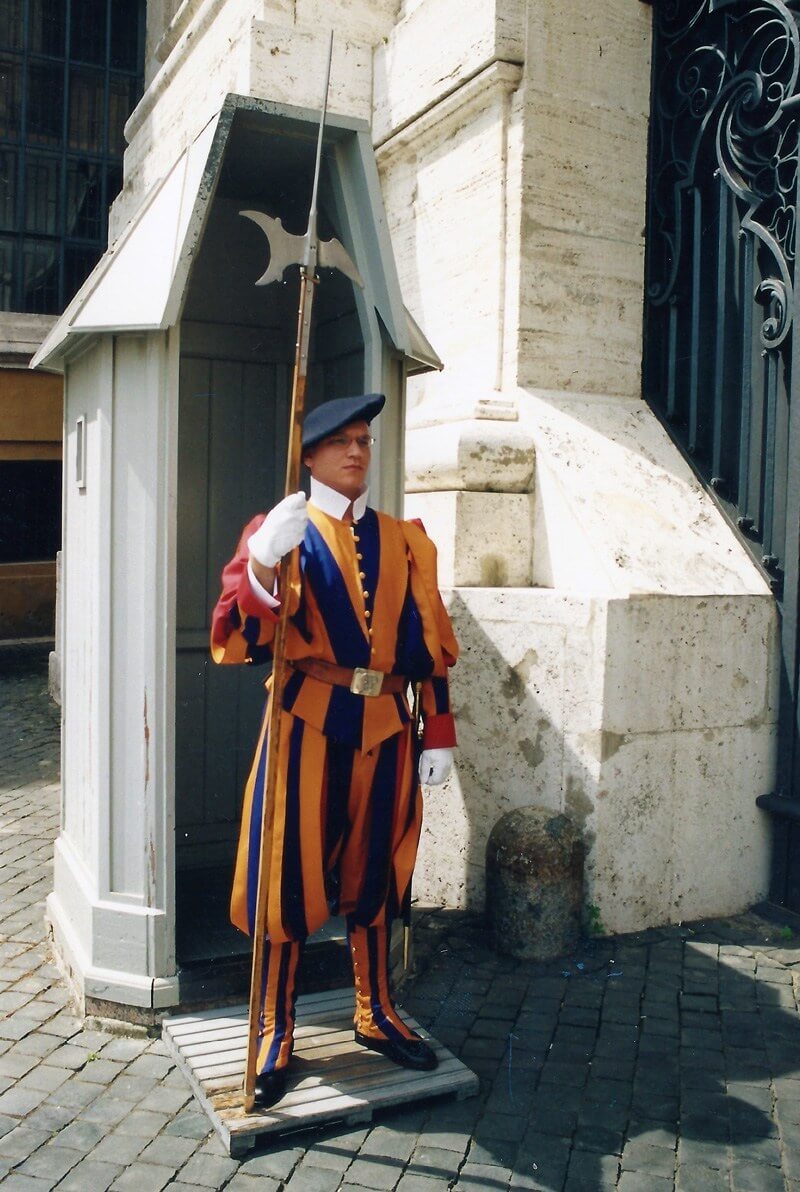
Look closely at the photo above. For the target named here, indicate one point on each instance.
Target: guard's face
(342, 459)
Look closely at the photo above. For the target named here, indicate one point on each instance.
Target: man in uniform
(366, 619)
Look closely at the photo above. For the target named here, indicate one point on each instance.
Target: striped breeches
(345, 832)
(346, 826)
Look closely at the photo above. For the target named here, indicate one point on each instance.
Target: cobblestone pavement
(665, 1060)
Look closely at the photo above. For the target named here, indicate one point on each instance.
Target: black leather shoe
(270, 1087)
(409, 1053)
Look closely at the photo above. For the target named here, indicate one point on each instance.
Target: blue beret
(331, 416)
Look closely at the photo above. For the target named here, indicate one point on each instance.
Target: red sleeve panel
(242, 626)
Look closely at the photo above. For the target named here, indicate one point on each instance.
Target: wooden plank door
(233, 429)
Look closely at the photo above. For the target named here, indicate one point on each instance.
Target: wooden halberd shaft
(287, 569)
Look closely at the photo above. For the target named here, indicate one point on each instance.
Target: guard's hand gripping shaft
(282, 529)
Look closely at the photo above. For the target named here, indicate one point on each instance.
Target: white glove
(435, 765)
(282, 528)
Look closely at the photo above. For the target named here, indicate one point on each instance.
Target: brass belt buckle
(366, 682)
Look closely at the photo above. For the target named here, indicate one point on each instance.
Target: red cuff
(439, 732)
(250, 604)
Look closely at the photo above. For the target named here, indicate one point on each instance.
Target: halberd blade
(284, 248)
(332, 254)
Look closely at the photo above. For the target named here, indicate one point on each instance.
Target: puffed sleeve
(243, 623)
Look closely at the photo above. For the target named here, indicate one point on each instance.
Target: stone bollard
(534, 884)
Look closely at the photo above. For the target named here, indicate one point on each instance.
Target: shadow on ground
(665, 1059)
(675, 1052)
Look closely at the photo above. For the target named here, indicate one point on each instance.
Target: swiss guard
(366, 622)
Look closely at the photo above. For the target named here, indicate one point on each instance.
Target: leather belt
(359, 680)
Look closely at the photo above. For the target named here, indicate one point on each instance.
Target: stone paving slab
(667, 1060)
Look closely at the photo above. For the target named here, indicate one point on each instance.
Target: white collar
(336, 504)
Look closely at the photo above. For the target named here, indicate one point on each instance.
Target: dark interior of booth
(237, 350)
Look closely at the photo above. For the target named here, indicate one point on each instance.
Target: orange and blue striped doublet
(348, 808)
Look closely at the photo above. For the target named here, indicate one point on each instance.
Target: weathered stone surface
(455, 243)
(287, 64)
(580, 313)
(618, 511)
(534, 884)
(441, 44)
(605, 61)
(578, 165)
(538, 721)
(486, 538)
(677, 832)
(693, 640)
(479, 454)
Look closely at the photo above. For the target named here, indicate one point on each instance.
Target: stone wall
(640, 718)
(620, 649)
(587, 95)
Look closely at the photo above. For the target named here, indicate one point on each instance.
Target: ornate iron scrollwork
(728, 86)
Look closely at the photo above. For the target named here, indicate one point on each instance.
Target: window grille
(70, 75)
(722, 203)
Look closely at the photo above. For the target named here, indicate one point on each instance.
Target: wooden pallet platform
(331, 1077)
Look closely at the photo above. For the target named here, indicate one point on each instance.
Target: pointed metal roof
(141, 281)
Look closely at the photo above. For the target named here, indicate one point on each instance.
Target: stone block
(667, 795)
(479, 454)
(369, 21)
(618, 509)
(90, 1176)
(580, 323)
(612, 50)
(716, 658)
(455, 172)
(485, 539)
(441, 44)
(50, 1162)
(722, 840)
(584, 170)
(287, 65)
(534, 884)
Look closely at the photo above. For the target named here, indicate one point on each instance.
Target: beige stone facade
(620, 650)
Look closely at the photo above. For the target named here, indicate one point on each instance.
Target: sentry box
(177, 380)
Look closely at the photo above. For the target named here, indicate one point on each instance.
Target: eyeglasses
(342, 442)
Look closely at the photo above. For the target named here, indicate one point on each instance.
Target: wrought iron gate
(720, 329)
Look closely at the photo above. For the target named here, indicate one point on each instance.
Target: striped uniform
(348, 807)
